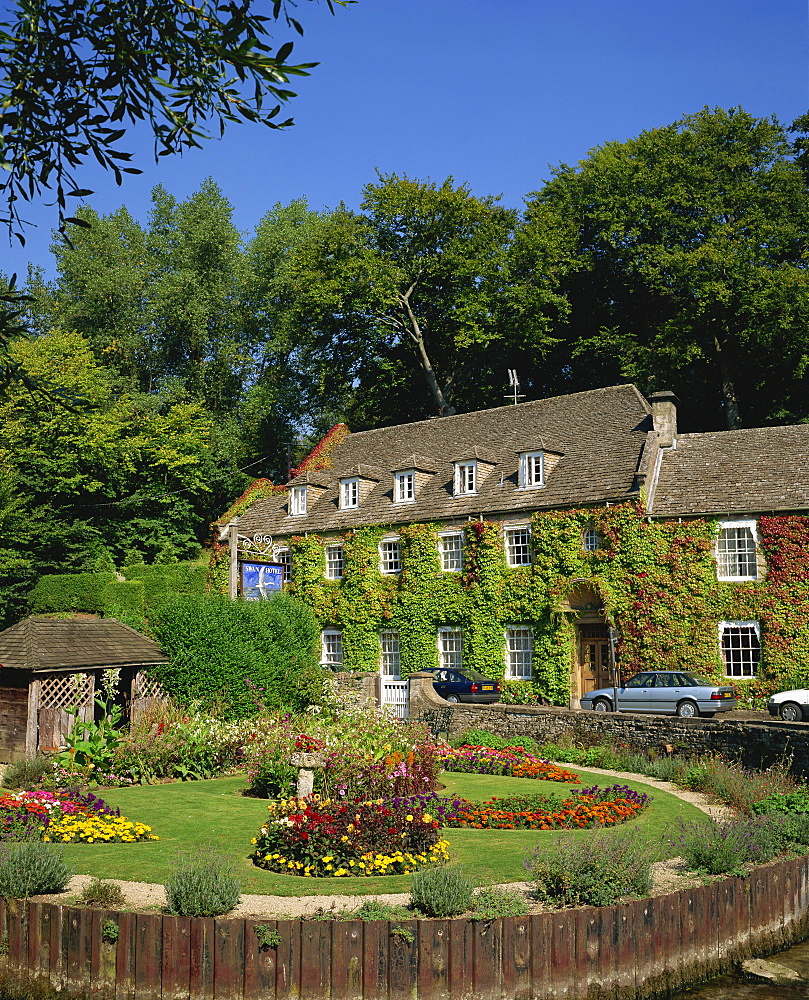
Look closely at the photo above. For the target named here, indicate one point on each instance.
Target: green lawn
(190, 815)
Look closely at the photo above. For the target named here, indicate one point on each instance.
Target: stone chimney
(664, 416)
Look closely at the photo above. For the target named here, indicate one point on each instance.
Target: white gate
(396, 695)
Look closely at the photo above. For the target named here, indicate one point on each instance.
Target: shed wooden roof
(41, 643)
(595, 439)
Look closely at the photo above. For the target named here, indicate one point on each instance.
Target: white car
(791, 706)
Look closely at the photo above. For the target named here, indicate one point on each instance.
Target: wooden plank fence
(630, 951)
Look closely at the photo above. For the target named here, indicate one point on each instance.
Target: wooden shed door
(13, 720)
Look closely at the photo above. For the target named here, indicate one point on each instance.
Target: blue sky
(490, 92)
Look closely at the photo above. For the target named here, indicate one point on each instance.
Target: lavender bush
(596, 870)
(718, 847)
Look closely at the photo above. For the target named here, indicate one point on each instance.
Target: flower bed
(335, 838)
(514, 762)
(65, 817)
(586, 807)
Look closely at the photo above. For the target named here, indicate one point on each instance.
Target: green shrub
(162, 582)
(71, 592)
(479, 738)
(28, 773)
(100, 892)
(442, 892)
(596, 870)
(495, 901)
(32, 869)
(204, 885)
(790, 803)
(216, 646)
(530, 746)
(372, 909)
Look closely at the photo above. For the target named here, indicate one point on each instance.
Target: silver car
(664, 692)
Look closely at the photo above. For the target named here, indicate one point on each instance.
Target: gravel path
(145, 896)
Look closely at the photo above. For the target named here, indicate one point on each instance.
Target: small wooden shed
(48, 665)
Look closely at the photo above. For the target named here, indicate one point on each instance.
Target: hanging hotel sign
(260, 580)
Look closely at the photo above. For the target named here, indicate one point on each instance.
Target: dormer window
(532, 469)
(349, 493)
(404, 486)
(297, 501)
(466, 478)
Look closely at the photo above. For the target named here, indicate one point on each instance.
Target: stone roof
(40, 643)
(751, 471)
(593, 441)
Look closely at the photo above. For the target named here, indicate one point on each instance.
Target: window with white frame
(331, 640)
(740, 646)
(335, 562)
(736, 550)
(390, 556)
(450, 648)
(518, 546)
(404, 487)
(297, 501)
(450, 548)
(349, 493)
(590, 540)
(390, 663)
(284, 559)
(532, 469)
(519, 653)
(466, 478)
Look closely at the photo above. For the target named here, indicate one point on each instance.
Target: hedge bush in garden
(216, 645)
(93, 593)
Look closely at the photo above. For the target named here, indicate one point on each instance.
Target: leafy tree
(409, 291)
(122, 478)
(689, 269)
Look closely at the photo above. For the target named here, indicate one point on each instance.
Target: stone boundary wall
(631, 951)
(756, 744)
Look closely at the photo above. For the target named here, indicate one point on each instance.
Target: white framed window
(532, 469)
(331, 644)
(335, 562)
(590, 540)
(404, 486)
(283, 557)
(450, 648)
(518, 546)
(740, 646)
(466, 478)
(390, 556)
(520, 652)
(736, 551)
(349, 493)
(450, 548)
(390, 662)
(297, 501)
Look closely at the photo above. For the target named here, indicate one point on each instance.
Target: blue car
(665, 692)
(456, 685)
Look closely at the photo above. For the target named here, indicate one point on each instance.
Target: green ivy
(656, 581)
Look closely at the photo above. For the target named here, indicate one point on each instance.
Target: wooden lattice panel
(148, 687)
(66, 691)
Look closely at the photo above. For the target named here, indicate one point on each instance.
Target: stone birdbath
(307, 764)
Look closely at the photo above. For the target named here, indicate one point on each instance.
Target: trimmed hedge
(163, 582)
(90, 592)
(217, 645)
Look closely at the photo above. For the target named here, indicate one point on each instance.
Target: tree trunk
(417, 336)
(729, 395)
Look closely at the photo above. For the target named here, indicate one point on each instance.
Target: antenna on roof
(514, 382)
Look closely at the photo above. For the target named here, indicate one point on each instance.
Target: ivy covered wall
(657, 582)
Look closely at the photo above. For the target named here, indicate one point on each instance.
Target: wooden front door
(594, 658)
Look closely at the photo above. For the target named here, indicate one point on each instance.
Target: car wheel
(453, 699)
(688, 710)
(790, 711)
(602, 705)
